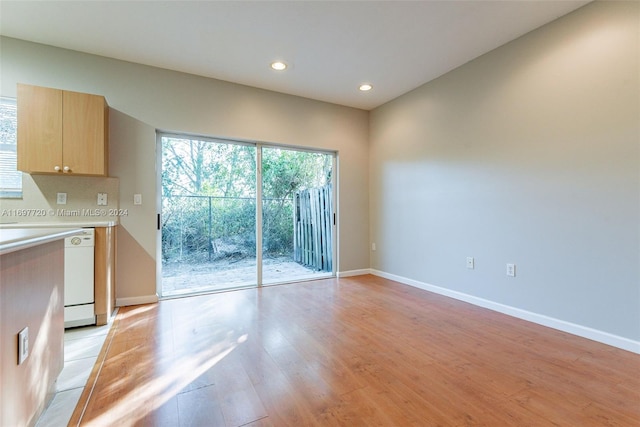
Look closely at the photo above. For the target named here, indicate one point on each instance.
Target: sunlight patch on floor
(148, 397)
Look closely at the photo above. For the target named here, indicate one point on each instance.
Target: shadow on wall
(135, 271)
(132, 158)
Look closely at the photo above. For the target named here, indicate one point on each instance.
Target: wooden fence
(313, 226)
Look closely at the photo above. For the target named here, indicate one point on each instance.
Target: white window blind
(10, 177)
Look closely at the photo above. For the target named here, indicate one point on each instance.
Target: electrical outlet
(470, 263)
(61, 198)
(102, 199)
(373, 246)
(137, 199)
(23, 345)
(511, 270)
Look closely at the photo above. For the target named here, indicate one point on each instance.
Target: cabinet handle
(66, 169)
(56, 168)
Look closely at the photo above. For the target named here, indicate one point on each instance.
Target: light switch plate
(137, 199)
(102, 199)
(61, 198)
(23, 345)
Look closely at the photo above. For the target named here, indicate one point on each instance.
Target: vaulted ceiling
(330, 47)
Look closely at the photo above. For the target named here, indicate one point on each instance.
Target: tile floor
(81, 349)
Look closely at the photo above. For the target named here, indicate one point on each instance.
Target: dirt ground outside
(191, 278)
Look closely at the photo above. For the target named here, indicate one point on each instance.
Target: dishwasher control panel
(87, 238)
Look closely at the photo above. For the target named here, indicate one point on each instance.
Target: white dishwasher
(78, 279)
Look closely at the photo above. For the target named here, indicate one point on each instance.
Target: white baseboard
(144, 299)
(572, 328)
(353, 272)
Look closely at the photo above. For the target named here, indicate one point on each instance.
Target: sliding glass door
(208, 215)
(297, 215)
(214, 234)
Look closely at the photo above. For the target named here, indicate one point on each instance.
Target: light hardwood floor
(359, 351)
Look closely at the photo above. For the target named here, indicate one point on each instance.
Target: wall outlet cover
(61, 198)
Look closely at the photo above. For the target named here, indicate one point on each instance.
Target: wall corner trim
(561, 325)
(144, 299)
(350, 273)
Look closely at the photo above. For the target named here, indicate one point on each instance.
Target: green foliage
(286, 171)
(209, 193)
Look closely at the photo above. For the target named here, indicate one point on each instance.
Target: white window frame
(10, 177)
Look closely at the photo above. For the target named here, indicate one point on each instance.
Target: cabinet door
(39, 129)
(84, 133)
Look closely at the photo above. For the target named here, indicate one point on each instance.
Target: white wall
(143, 99)
(526, 155)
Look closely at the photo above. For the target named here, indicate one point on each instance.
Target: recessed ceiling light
(365, 87)
(278, 65)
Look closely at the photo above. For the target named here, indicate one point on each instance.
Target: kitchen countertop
(15, 239)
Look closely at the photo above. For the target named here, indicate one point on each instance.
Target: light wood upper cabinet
(62, 132)
(39, 128)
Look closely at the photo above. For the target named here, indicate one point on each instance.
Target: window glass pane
(10, 177)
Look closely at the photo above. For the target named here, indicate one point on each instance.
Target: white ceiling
(331, 46)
